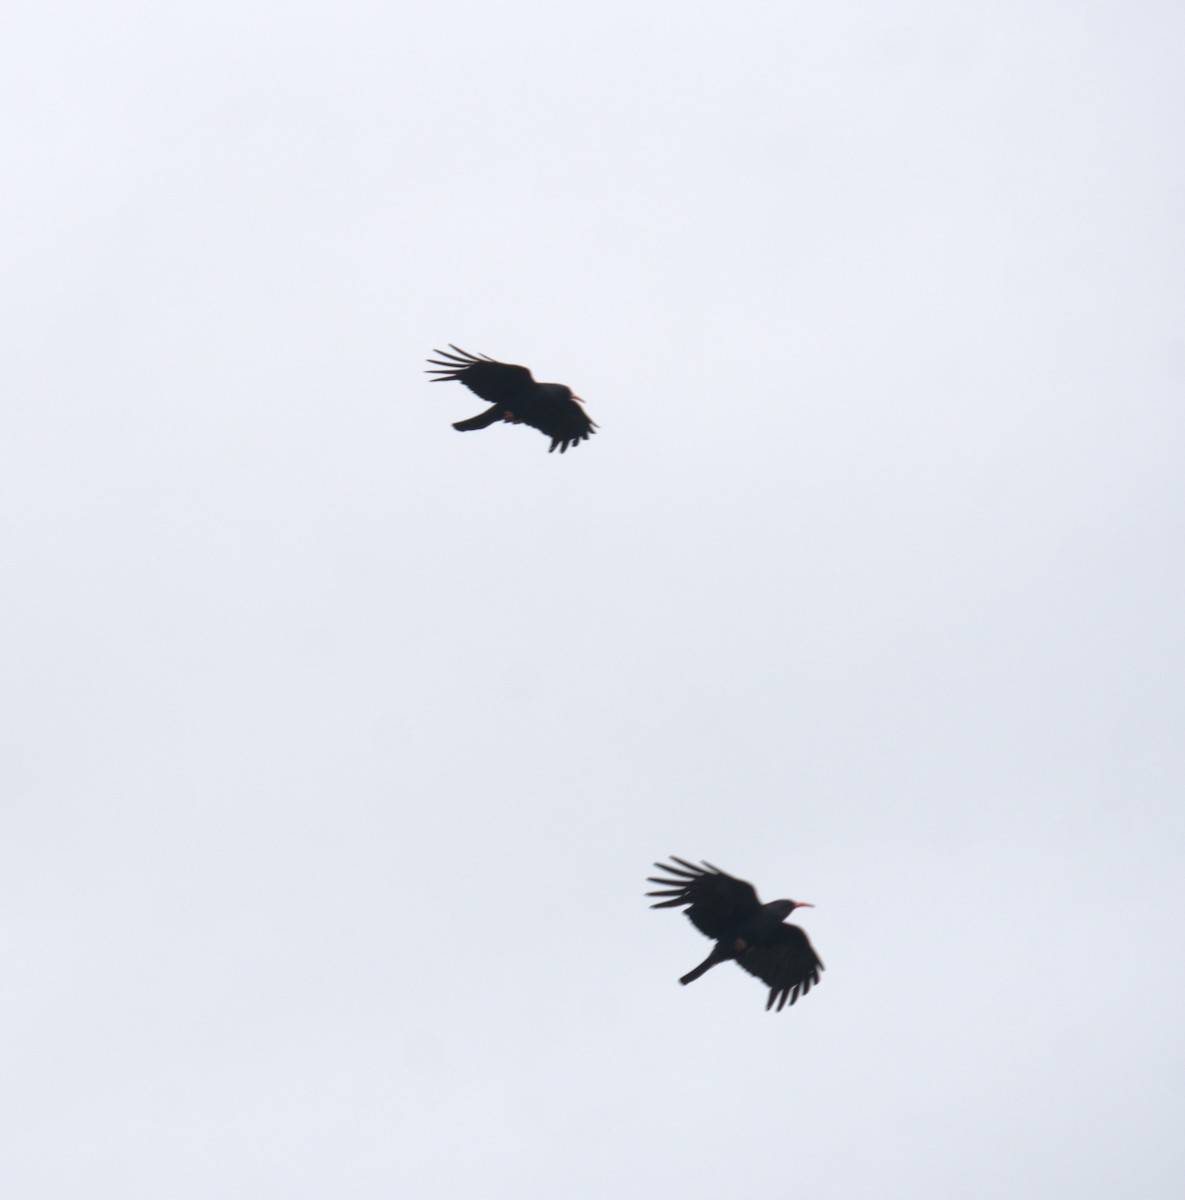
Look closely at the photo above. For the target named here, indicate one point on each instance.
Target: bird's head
(784, 908)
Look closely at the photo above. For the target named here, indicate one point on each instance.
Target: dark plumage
(745, 930)
(515, 397)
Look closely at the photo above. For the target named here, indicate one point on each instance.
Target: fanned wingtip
(684, 863)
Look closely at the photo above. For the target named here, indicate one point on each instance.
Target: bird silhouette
(514, 396)
(752, 934)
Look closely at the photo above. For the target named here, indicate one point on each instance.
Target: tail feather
(706, 965)
(481, 420)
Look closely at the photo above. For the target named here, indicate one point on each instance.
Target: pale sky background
(338, 745)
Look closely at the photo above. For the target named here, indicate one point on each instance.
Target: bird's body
(752, 934)
(515, 397)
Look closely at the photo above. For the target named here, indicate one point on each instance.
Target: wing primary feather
(690, 866)
(692, 872)
(675, 871)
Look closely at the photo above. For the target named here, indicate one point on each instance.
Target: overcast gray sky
(339, 745)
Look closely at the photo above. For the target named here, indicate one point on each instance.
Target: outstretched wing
(715, 902)
(495, 382)
(560, 417)
(786, 961)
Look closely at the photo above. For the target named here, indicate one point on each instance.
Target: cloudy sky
(338, 745)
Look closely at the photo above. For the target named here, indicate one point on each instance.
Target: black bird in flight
(750, 933)
(514, 396)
